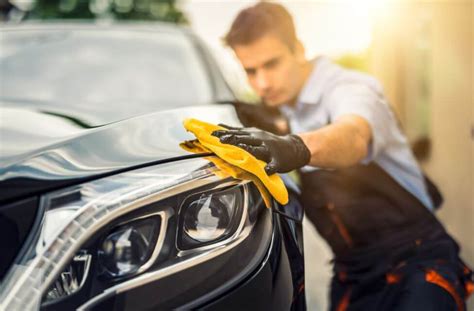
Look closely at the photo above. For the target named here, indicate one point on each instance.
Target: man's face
(273, 70)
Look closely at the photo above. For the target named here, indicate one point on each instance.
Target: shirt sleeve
(359, 99)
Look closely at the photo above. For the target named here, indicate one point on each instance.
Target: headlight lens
(128, 223)
(128, 247)
(71, 279)
(210, 217)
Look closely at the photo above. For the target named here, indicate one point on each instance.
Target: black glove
(261, 116)
(282, 153)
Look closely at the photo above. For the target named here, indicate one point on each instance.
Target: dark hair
(261, 19)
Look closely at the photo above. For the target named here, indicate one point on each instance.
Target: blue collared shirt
(332, 91)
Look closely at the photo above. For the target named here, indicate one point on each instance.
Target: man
(361, 185)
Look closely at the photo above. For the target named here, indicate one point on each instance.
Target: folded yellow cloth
(236, 157)
(225, 169)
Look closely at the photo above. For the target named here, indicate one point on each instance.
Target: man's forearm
(341, 144)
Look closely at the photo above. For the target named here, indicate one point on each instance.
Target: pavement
(317, 268)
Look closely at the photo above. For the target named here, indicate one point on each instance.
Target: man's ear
(300, 52)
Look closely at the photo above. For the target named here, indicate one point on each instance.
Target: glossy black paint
(62, 145)
(16, 221)
(108, 149)
(278, 284)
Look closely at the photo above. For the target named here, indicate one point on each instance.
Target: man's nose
(262, 81)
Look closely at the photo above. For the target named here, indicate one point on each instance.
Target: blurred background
(422, 52)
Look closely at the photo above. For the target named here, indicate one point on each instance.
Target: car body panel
(91, 153)
(275, 285)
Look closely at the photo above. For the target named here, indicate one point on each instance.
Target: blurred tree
(143, 10)
(357, 61)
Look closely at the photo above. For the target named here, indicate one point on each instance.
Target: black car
(100, 208)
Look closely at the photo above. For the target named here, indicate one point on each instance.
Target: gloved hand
(261, 116)
(282, 153)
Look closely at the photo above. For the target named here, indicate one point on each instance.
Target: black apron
(374, 227)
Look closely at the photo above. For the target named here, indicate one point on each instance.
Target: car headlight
(113, 229)
(207, 218)
(128, 247)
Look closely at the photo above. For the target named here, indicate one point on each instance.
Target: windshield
(105, 75)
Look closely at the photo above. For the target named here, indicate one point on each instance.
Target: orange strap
(434, 277)
(300, 289)
(342, 276)
(345, 300)
(469, 288)
(393, 278)
(469, 285)
(340, 225)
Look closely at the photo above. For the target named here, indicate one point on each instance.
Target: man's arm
(357, 134)
(341, 144)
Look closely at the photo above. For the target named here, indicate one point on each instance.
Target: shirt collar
(313, 88)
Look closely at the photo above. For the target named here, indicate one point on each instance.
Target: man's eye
(272, 64)
(250, 71)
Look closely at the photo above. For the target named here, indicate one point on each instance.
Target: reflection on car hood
(40, 152)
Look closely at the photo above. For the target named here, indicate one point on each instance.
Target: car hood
(43, 151)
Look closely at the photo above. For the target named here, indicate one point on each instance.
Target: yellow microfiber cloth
(235, 156)
(225, 169)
